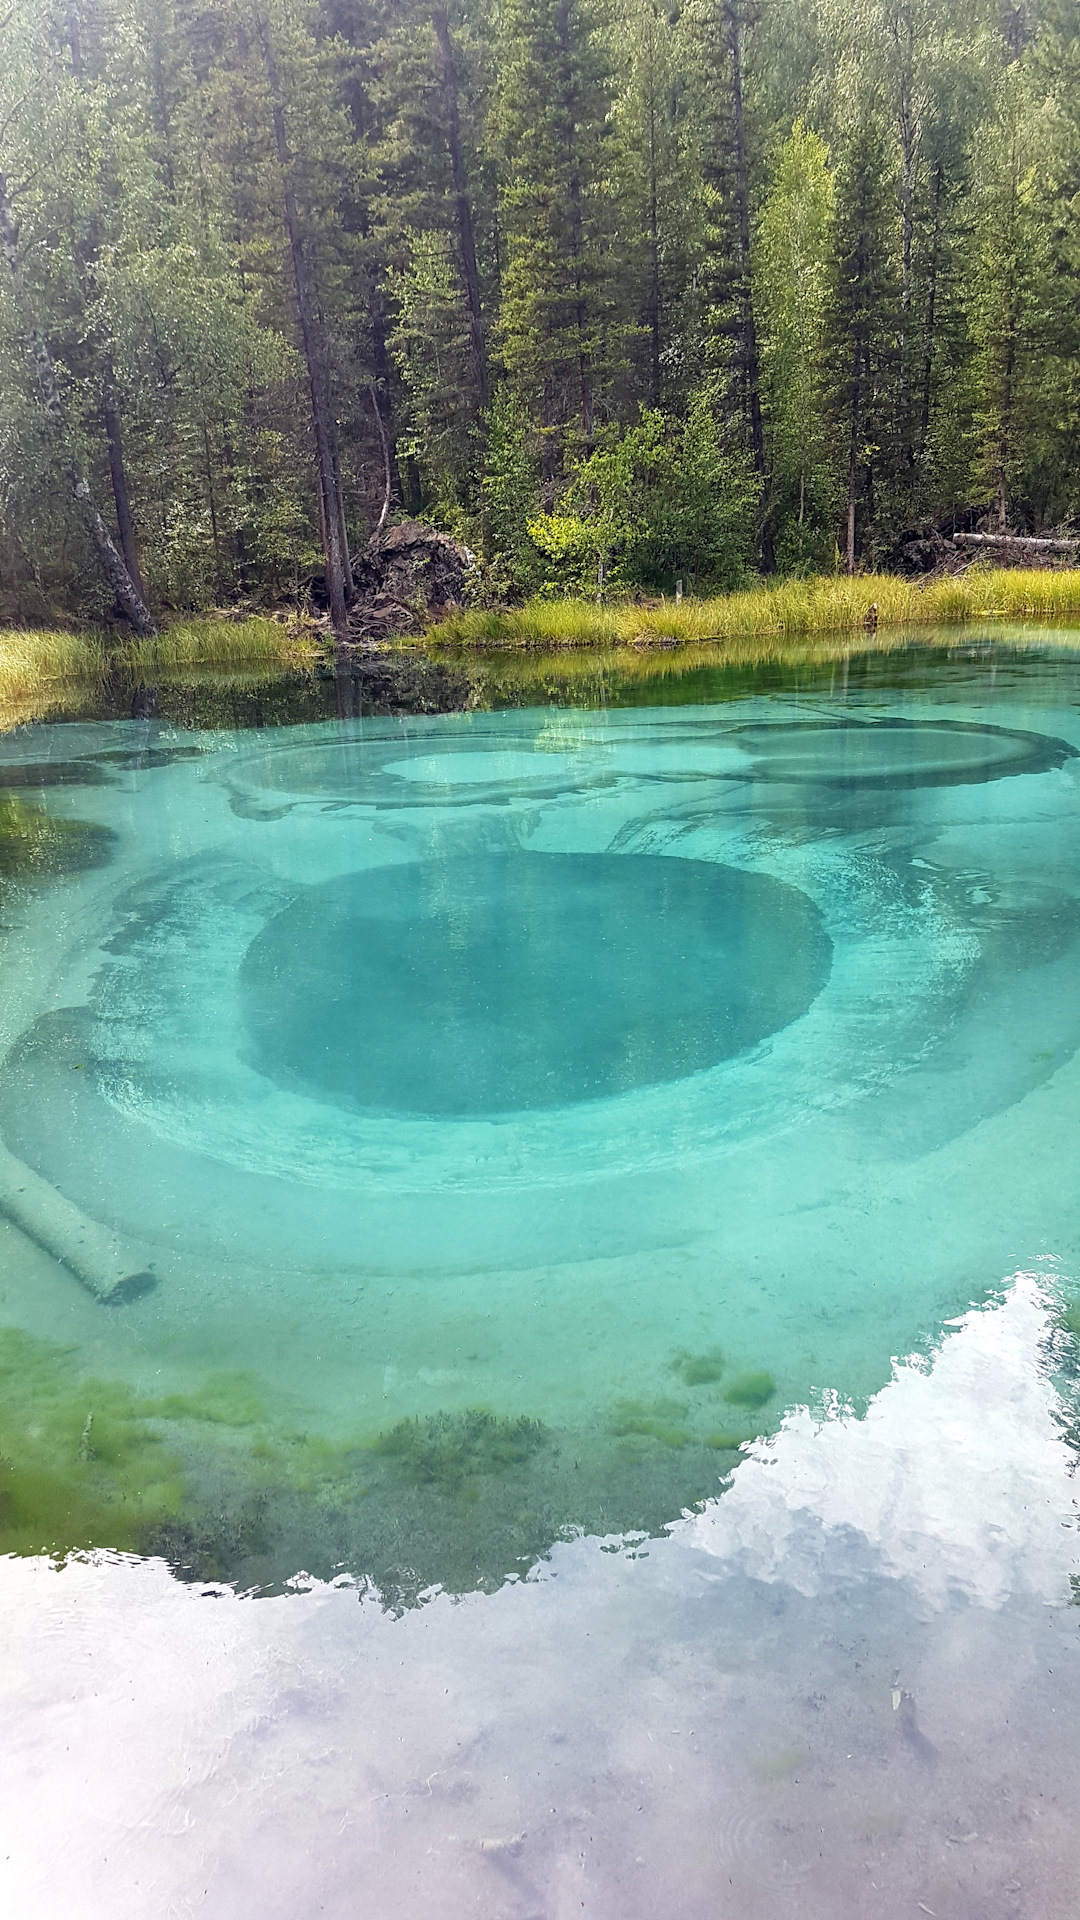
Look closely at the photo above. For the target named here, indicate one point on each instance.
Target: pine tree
(1009, 306)
(435, 205)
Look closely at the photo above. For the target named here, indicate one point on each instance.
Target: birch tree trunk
(110, 562)
(118, 477)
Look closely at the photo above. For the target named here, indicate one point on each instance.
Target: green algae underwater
(214, 1482)
(458, 1502)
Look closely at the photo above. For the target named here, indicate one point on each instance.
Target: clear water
(549, 1128)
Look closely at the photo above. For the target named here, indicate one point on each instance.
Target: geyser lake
(520, 1117)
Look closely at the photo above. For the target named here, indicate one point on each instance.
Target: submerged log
(104, 1261)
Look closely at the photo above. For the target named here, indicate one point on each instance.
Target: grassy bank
(792, 621)
(37, 664)
(789, 609)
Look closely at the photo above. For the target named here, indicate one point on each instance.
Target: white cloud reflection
(957, 1475)
(839, 1692)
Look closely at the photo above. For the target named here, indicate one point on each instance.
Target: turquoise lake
(525, 1125)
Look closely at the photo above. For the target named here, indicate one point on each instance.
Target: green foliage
(657, 200)
(1017, 389)
(792, 279)
(663, 501)
(674, 287)
(550, 122)
(430, 342)
(509, 494)
(864, 322)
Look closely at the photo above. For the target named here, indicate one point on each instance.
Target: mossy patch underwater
(663, 1420)
(750, 1390)
(79, 1465)
(36, 845)
(224, 1399)
(698, 1369)
(449, 1450)
(217, 1478)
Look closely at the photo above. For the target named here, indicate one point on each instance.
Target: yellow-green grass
(790, 608)
(40, 667)
(213, 641)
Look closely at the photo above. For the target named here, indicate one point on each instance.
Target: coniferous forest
(619, 294)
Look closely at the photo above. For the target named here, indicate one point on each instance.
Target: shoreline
(812, 620)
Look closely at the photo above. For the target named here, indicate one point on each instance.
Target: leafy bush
(666, 500)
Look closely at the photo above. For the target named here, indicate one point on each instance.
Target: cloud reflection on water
(849, 1687)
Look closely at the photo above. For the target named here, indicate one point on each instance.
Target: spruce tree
(865, 322)
(727, 32)
(658, 201)
(558, 334)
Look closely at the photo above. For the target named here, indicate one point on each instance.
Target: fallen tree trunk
(1037, 544)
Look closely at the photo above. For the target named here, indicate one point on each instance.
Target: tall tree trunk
(338, 580)
(908, 145)
(931, 316)
(654, 243)
(462, 205)
(1005, 437)
(110, 562)
(747, 323)
(74, 37)
(375, 299)
(855, 412)
(88, 254)
(585, 381)
(118, 475)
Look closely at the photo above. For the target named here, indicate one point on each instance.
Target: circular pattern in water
(897, 753)
(506, 982)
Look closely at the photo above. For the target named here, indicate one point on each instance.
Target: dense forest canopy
(619, 293)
